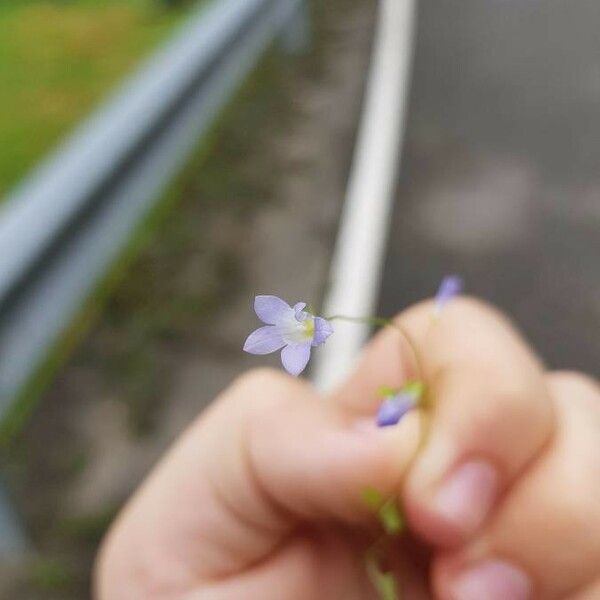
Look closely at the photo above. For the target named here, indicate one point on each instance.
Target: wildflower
(394, 408)
(396, 405)
(293, 330)
(451, 286)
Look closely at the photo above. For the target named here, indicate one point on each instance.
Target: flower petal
(393, 409)
(264, 340)
(450, 287)
(302, 315)
(299, 307)
(323, 329)
(295, 358)
(271, 309)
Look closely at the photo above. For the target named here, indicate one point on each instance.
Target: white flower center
(294, 331)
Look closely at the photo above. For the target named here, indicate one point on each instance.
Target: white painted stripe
(362, 238)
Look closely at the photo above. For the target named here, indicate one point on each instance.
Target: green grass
(50, 574)
(142, 300)
(58, 59)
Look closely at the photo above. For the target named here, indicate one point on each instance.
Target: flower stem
(383, 581)
(386, 322)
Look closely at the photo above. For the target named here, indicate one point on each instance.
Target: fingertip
(458, 576)
(450, 512)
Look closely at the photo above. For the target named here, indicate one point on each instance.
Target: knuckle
(465, 305)
(470, 309)
(468, 392)
(510, 420)
(474, 304)
(250, 391)
(260, 392)
(574, 381)
(258, 380)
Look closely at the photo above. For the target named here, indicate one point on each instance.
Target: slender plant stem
(386, 322)
(385, 587)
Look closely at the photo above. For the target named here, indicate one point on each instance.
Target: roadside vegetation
(187, 262)
(183, 265)
(58, 59)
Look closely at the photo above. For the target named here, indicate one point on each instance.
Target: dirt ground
(257, 215)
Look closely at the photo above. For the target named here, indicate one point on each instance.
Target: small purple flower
(291, 329)
(451, 286)
(396, 404)
(394, 408)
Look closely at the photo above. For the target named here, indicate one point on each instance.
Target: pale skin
(261, 497)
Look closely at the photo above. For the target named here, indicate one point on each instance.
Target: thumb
(271, 452)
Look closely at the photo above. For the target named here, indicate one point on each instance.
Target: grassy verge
(58, 59)
(144, 301)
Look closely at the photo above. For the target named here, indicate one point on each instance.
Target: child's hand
(261, 498)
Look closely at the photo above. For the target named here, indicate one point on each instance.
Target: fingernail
(467, 495)
(492, 580)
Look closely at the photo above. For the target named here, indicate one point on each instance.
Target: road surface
(500, 179)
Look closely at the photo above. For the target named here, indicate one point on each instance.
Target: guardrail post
(296, 35)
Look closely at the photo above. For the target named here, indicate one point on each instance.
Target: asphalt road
(500, 179)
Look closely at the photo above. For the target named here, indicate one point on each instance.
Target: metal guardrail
(62, 229)
(65, 225)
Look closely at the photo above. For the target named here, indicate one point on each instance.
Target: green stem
(376, 321)
(383, 581)
(385, 322)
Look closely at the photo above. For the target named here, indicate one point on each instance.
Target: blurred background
(498, 182)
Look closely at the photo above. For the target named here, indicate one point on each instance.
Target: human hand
(262, 497)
